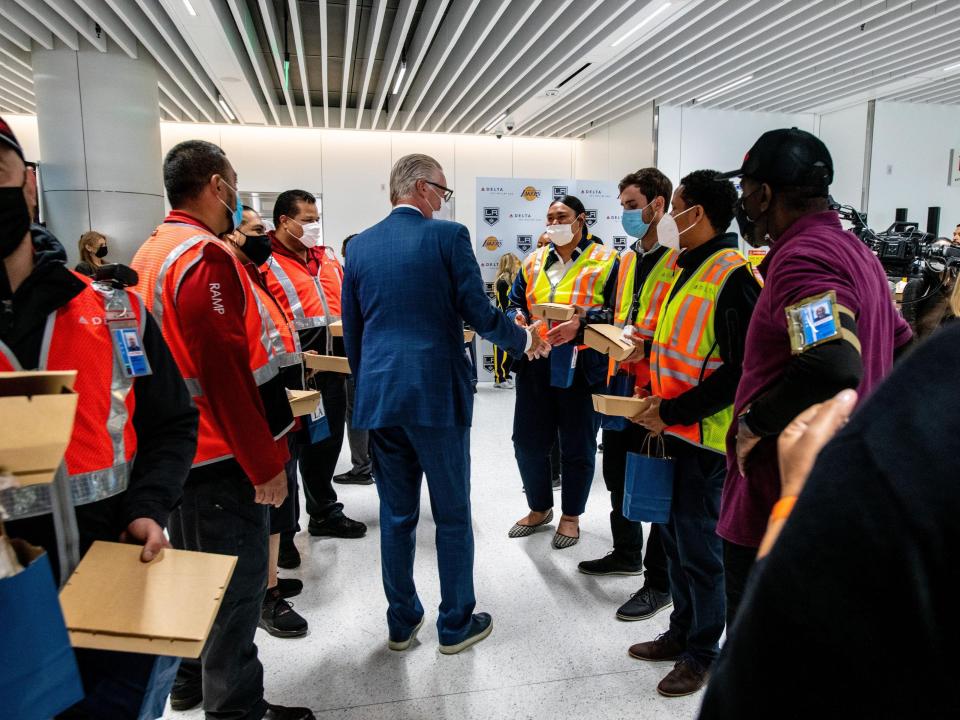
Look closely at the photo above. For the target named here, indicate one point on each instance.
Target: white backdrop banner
(511, 215)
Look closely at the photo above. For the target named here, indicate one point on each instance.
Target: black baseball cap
(787, 158)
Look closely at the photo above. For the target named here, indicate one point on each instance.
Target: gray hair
(406, 172)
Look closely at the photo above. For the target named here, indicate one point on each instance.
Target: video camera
(903, 249)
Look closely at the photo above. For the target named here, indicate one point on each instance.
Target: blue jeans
(401, 457)
(542, 412)
(695, 551)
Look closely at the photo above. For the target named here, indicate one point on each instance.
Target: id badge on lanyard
(127, 343)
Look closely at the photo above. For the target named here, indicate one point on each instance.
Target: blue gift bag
(38, 670)
(648, 484)
(563, 363)
(621, 385)
(318, 425)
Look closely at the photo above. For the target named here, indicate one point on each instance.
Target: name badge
(813, 321)
(128, 346)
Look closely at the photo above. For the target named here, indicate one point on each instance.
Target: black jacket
(165, 419)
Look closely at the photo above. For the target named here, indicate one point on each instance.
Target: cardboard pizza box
(608, 339)
(469, 335)
(164, 607)
(336, 328)
(327, 363)
(303, 402)
(36, 414)
(553, 311)
(617, 406)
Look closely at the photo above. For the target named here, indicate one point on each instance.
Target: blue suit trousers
(401, 456)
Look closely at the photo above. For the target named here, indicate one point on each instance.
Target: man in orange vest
(695, 364)
(126, 461)
(226, 346)
(646, 271)
(250, 243)
(305, 275)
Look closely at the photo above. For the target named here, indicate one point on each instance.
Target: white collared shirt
(412, 207)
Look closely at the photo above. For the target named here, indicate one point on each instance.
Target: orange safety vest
(685, 350)
(311, 300)
(290, 353)
(162, 262)
(655, 290)
(581, 286)
(103, 442)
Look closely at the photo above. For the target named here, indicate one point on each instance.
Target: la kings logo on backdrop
(524, 242)
(488, 363)
(491, 215)
(591, 218)
(620, 242)
(491, 293)
(559, 191)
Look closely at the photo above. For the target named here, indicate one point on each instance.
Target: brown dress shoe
(666, 648)
(685, 679)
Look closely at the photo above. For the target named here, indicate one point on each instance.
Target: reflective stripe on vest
(301, 321)
(656, 289)
(685, 350)
(582, 284)
(86, 352)
(286, 339)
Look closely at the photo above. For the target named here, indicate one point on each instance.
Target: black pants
(738, 561)
(318, 462)
(628, 535)
(219, 515)
(502, 362)
(694, 551)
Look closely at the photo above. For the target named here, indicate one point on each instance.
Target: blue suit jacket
(409, 284)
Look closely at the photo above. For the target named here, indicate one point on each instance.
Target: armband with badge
(814, 321)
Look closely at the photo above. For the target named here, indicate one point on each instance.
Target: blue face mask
(633, 223)
(237, 216)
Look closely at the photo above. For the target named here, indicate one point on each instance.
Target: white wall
(613, 150)
(845, 134)
(911, 159)
(691, 138)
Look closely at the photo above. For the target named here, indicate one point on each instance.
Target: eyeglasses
(447, 192)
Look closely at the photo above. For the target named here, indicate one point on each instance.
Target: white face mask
(667, 233)
(444, 212)
(311, 233)
(560, 235)
(675, 222)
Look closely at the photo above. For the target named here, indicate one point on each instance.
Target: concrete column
(98, 117)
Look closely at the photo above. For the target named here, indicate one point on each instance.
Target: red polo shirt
(814, 256)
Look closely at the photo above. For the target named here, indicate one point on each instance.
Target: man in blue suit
(410, 282)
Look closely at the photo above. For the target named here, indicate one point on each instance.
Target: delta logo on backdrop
(517, 207)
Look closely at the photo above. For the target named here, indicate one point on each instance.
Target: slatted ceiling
(470, 61)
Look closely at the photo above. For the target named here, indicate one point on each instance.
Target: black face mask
(14, 219)
(101, 251)
(748, 227)
(257, 248)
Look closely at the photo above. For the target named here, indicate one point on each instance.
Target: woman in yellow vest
(554, 393)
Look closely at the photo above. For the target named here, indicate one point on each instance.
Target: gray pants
(359, 439)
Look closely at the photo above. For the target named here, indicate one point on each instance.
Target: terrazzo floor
(557, 650)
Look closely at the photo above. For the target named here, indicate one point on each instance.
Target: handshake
(539, 347)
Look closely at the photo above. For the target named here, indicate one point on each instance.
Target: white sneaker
(507, 384)
(497, 385)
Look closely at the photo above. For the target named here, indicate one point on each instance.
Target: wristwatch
(743, 425)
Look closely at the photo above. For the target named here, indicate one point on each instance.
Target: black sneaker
(289, 587)
(644, 603)
(338, 525)
(289, 556)
(279, 712)
(185, 698)
(278, 618)
(350, 478)
(609, 565)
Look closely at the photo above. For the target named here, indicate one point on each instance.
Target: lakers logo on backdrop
(491, 215)
(492, 243)
(530, 193)
(524, 242)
